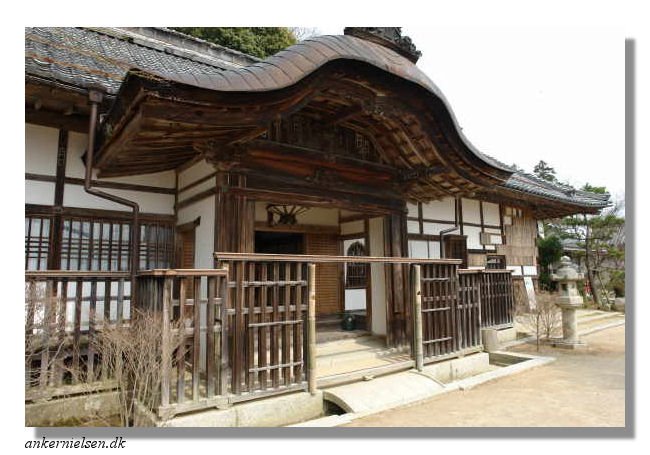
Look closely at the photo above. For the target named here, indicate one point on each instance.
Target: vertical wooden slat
(225, 295)
(29, 327)
(453, 281)
(297, 329)
(166, 366)
(76, 343)
(286, 338)
(91, 331)
(120, 301)
(196, 341)
(180, 353)
(46, 328)
(441, 302)
(250, 331)
(262, 345)
(210, 327)
(311, 333)
(239, 326)
(275, 332)
(417, 317)
(60, 330)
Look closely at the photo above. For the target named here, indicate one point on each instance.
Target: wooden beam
(76, 123)
(343, 115)
(318, 258)
(300, 228)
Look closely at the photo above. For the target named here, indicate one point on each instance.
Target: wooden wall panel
(520, 246)
(327, 275)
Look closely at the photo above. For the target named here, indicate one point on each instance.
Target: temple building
(175, 174)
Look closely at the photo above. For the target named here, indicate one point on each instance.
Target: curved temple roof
(156, 67)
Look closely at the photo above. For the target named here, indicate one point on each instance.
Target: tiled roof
(530, 184)
(101, 57)
(84, 58)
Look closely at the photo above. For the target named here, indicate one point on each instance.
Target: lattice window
(156, 246)
(362, 146)
(356, 276)
(94, 244)
(104, 244)
(37, 242)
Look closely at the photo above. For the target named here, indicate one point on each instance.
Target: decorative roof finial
(390, 37)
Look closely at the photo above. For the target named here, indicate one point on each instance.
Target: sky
(523, 95)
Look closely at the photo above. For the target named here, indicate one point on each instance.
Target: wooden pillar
(56, 228)
(234, 227)
(397, 284)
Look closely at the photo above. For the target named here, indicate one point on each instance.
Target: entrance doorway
(279, 242)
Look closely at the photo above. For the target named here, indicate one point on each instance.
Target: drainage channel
(343, 404)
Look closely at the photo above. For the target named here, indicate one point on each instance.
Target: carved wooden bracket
(224, 157)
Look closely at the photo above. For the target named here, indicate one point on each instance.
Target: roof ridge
(176, 43)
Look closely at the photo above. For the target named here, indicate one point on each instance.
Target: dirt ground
(582, 388)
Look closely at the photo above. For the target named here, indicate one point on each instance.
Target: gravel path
(583, 388)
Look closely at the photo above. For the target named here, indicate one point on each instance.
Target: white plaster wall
(194, 173)
(471, 211)
(39, 192)
(473, 234)
(355, 299)
(434, 250)
(41, 143)
(210, 183)
(530, 270)
(491, 214)
(422, 249)
(76, 196)
(412, 209)
(413, 227)
(204, 243)
(352, 227)
(443, 209)
(378, 289)
(418, 249)
(435, 228)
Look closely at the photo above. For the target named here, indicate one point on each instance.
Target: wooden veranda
(243, 330)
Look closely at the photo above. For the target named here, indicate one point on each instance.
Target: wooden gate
(439, 288)
(469, 308)
(267, 322)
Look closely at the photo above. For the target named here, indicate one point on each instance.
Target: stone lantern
(569, 301)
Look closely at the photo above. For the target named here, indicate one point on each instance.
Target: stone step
(360, 343)
(356, 354)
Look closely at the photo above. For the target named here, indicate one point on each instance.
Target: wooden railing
(64, 312)
(238, 332)
(456, 304)
(497, 299)
(194, 345)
